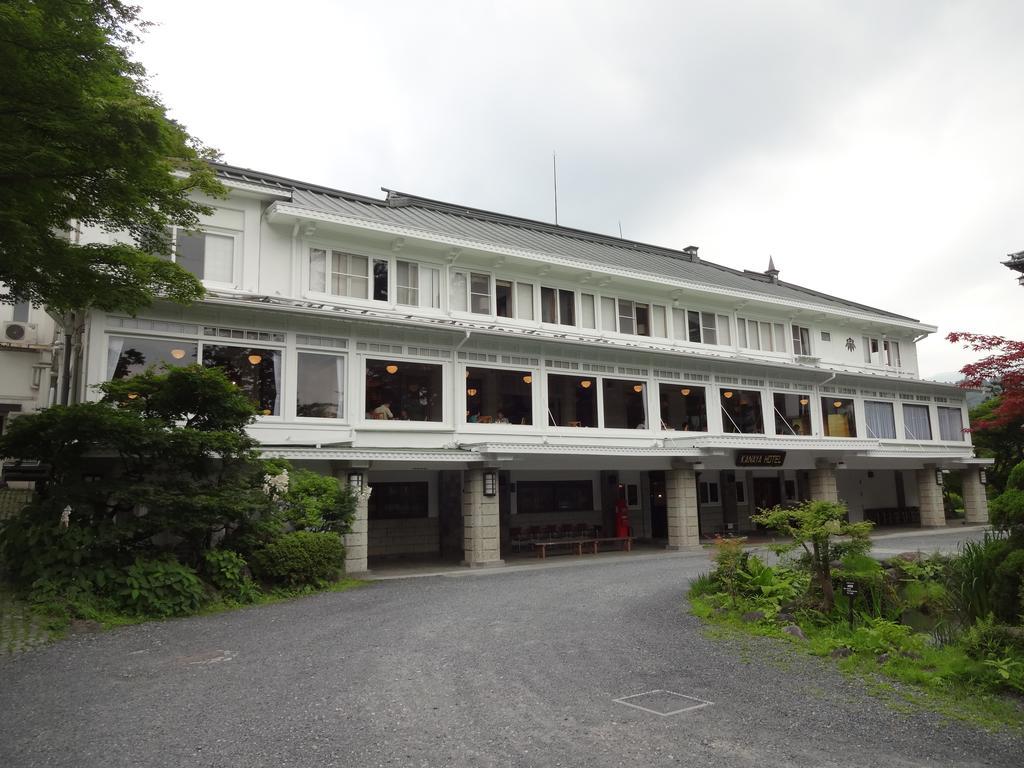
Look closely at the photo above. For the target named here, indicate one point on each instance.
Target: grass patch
(940, 679)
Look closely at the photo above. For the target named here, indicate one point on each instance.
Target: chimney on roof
(772, 272)
(691, 251)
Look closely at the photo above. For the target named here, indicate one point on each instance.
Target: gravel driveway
(504, 668)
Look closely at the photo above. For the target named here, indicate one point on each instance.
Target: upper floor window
(588, 311)
(557, 306)
(417, 284)
(760, 335)
(871, 350)
(339, 273)
(130, 355)
(891, 349)
(880, 420)
(917, 423)
(792, 414)
(397, 389)
(951, 424)
(21, 312)
(206, 255)
(498, 396)
(839, 419)
(320, 388)
(702, 327)
(524, 301)
(683, 408)
(741, 411)
(256, 372)
(503, 298)
(801, 340)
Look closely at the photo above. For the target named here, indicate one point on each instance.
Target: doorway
(767, 492)
(658, 505)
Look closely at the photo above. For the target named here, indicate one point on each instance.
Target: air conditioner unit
(20, 333)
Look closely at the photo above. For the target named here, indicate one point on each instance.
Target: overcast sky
(875, 149)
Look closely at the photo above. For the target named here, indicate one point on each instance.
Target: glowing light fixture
(586, 383)
(255, 359)
(133, 395)
(355, 480)
(804, 401)
(392, 368)
(638, 388)
(837, 403)
(727, 394)
(527, 379)
(471, 391)
(685, 391)
(177, 354)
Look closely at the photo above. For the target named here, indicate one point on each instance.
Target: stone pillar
(975, 501)
(929, 498)
(481, 526)
(357, 539)
(681, 509)
(822, 482)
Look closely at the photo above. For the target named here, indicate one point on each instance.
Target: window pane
(917, 423)
(693, 321)
(349, 276)
(188, 251)
(625, 404)
(457, 292)
(710, 331)
(572, 401)
(754, 333)
(524, 301)
(499, 397)
(724, 337)
(567, 307)
(544, 496)
(792, 415)
(658, 322)
(398, 501)
(625, 316)
(588, 311)
(548, 305)
(608, 314)
(257, 372)
(780, 337)
(643, 320)
(318, 270)
(741, 411)
(503, 298)
(867, 348)
(321, 386)
(480, 293)
(407, 282)
(950, 424)
(21, 310)
(683, 408)
(219, 259)
(127, 356)
(741, 332)
(396, 389)
(879, 420)
(380, 280)
(837, 415)
(430, 287)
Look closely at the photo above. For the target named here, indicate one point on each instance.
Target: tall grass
(972, 576)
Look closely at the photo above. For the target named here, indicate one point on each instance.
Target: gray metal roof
(436, 217)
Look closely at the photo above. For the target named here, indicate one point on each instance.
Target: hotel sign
(760, 458)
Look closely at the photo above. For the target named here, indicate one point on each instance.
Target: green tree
(83, 139)
(1003, 442)
(812, 526)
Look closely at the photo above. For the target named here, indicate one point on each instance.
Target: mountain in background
(974, 397)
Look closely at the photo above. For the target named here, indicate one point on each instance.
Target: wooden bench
(541, 547)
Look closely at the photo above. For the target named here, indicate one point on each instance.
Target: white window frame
(236, 251)
(420, 266)
(356, 405)
(293, 400)
(773, 328)
(708, 485)
(558, 306)
(800, 347)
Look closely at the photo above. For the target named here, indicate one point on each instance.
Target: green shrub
(301, 557)
(705, 584)
(1006, 588)
(971, 577)
(884, 636)
(226, 570)
(987, 638)
(161, 588)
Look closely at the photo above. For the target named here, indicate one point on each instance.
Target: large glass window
(206, 255)
(128, 355)
(572, 401)
(951, 424)
(320, 389)
(257, 372)
(499, 397)
(741, 411)
(393, 501)
(557, 306)
(879, 420)
(838, 417)
(418, 285)
(533, 496)
(792, 414)
(503, 298)
(683, 407)
(397, 389)
(701, 327)
(625, 404)
(917, 422)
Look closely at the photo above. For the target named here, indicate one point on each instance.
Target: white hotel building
(486, 374)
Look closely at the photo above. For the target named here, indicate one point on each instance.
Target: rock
(752, 616)
(85, 626)
(720, 611)
(841, 653)
(785, 618)
(794, 631)
(910, 655)
(882, 658)
(909, 557)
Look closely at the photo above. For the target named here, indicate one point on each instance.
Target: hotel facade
(489, 376)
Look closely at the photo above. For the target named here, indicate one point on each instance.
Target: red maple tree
(1004, 368)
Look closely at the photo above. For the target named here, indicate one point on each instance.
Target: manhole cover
(663, 703)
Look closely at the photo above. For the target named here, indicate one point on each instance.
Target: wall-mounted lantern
(938, 477)
(983, 476)
(355, 480)
(490, 482)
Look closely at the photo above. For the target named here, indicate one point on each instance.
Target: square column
(481, 526)
(822, 481)
(357, 539)
(975, 500)
(929, 498)
(681, 507)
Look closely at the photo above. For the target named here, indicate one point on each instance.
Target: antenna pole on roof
(554, 178)
(620, 230)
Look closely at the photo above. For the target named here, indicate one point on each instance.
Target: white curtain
(880, 420)
(916, 424)
(950, 424)
(115, 344)
(339, 371)
(276, 357)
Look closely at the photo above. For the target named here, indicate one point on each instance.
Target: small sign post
(850, 590)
